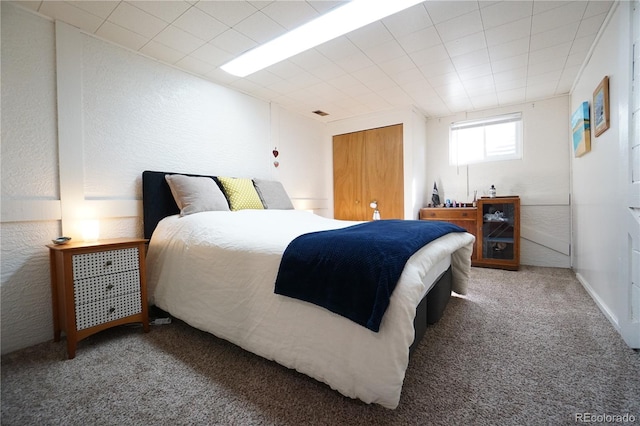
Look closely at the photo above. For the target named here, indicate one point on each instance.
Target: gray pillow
(272, 194)
(196, 194)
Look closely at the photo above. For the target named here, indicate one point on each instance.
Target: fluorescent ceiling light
(337, 22)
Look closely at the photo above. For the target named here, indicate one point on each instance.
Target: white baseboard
(603, 307)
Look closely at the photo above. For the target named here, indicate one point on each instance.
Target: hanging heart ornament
(276, 163)
(275, 152)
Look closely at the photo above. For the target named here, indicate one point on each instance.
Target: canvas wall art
(581, 131)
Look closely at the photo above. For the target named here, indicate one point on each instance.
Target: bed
(216, 270)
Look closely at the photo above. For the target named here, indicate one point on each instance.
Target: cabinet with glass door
(499, 232)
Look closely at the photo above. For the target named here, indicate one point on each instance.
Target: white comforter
(216, 271)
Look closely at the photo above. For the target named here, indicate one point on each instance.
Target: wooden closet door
(367, 166)
(347, 176)
(383, 178)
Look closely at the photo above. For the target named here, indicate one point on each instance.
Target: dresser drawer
(102, 311)
(106, 286)
(104, 262)
(448, 214)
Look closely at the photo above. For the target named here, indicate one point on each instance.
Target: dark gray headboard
(157, 200)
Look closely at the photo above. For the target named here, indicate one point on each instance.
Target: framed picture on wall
(601, 107)
(580, 130)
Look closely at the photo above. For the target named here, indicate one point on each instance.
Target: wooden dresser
(95, 286)
(464, 217)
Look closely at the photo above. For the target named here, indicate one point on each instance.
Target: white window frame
(484, 123)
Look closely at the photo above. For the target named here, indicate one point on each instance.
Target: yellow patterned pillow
(241, 193)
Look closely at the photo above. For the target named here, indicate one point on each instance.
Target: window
(488, 139)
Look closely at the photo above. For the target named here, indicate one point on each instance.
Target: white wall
(82, 118)
(540, 178)
(605, 229)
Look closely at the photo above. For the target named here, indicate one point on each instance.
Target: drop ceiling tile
(408, 21)
(549, 68)
(582, 44)
(323, 6)
(162, 52)
(221, 77)
(71, 15)
(327, 71)
(440, 11)
(513, 31)
(505, 12)
(514, 96)
(459, 27)
(136, 20)
(547, 78)
(466, 44)
(510, 49)
(545, 6)
(479, 86)
(420, 40)
(196, 22)
(591, 25)
(338, 48)
(310, 59)
(557, 53)
(397, 65)
(121, 36)
(344, 81)
(260, 28)
(265, 78)
(558, 17)
(168, 11)
(211, 54)
(461, 103)
(438, 68)
(484, 101)
(285, 69)
(444, 82)
(396, 96)
(597, 8)
(554, 37)
(430, 55)
(477, 71)
(472, 59)
(354, 62)
(194, 65)
(385, 52)
(233, 42)
(227, 12)
(512, 63)
(575, 59)
(408, 77)
(99, 8)
(179, 40)
(370, 35)
(515, 79)
(539, 91)
(289, 14)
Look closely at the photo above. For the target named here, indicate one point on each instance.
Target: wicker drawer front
(106, 286)
(102, 311)
(104, 262)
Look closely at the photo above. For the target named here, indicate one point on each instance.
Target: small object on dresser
(61, 240)
(492, 192)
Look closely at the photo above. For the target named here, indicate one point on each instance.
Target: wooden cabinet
(96, 286)
(464, 217)
(496, 226)
(499, 232)
(368, 166)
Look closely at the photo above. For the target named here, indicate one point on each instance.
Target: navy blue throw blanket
(353, 271)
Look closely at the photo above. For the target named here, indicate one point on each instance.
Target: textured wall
(135, 114)
(29, 173)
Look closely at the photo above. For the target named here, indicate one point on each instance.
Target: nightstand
(97, 285)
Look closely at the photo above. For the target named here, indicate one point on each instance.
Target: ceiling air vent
(320, 113)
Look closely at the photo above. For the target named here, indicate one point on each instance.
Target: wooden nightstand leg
(54, 297)
(71, 348)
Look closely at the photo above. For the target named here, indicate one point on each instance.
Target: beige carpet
(527, 347)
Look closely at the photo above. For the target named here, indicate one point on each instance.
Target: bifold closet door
(367, 166)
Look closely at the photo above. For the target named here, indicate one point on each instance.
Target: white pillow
(195, 194)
